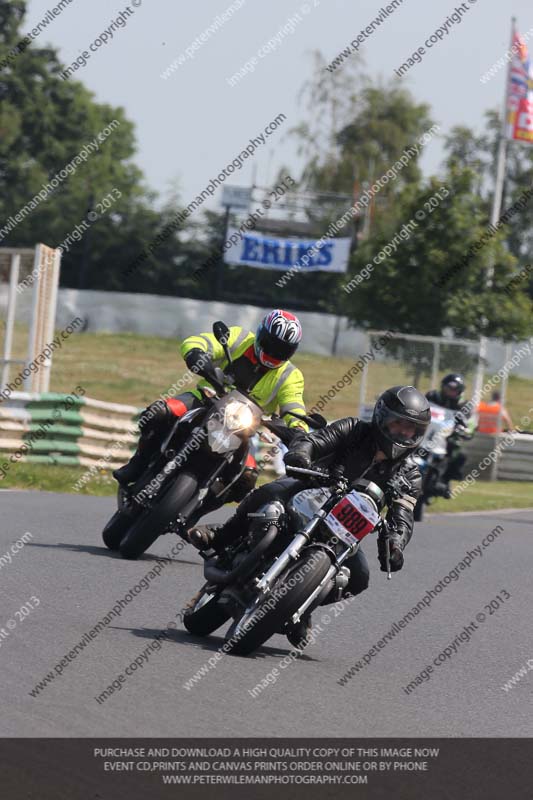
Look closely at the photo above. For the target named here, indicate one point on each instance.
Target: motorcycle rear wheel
(206, 615)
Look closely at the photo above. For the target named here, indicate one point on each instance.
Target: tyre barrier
(55, 428)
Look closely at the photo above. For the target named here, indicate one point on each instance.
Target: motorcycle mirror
(221, 331)
(319, 419)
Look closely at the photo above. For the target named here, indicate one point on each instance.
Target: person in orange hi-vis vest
(492, 416)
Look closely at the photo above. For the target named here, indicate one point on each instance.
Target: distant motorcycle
(195, 468)
(432, 457)
(288, 560)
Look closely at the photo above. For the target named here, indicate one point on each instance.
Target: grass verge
(134, 369)
(481, 496)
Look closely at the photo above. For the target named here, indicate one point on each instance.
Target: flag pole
(501, 169)
(502, 160)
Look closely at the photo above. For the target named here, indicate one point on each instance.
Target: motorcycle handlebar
(314, 473)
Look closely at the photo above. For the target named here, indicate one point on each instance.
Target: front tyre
(205, 615)
(254, 628)
(116, 529)
(156, 520)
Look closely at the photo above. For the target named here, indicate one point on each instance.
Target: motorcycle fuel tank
(304, 505)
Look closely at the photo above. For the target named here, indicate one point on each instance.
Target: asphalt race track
(77, 581)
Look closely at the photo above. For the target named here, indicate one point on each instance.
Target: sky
(192, 124)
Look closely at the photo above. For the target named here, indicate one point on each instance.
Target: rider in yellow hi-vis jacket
(261, 366)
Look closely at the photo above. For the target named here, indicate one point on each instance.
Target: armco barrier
(507, 462)
(63, 429)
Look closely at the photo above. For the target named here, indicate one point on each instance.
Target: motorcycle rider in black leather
(451, 395)
(377, 451)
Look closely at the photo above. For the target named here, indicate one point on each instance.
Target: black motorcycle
(197, 465)
(288, 561)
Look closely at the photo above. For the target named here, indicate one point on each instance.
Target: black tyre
(116, 529)
(419, 510)
(156, 520)
(251, 631)
(206, 615)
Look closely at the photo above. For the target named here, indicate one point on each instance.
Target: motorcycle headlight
(221, 440)
(238, 416)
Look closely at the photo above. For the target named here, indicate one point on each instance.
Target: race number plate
(352, 518)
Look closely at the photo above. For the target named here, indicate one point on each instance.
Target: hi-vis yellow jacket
(281, 388)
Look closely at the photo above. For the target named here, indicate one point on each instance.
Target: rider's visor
(401, 429)
(274, 347)
(452, 390)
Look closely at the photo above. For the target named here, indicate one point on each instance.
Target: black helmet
(396, 405)
(454, 384)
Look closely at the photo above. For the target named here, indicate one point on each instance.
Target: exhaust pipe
(214, 574)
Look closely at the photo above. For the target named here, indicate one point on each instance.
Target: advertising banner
(267, 252)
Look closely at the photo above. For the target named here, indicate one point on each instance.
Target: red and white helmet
(277, 338)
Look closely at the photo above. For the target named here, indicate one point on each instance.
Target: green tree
(479, 152)
(423, 287)
(45, 122)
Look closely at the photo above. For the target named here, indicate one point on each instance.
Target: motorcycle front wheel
(155, 521)
(116, 529)
(258, 624)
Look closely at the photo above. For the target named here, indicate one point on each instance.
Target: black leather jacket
(351, 442)
(438, 399)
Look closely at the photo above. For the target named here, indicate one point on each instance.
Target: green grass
(134, 369)
(487, 496)
(49, 478)
(481, 496)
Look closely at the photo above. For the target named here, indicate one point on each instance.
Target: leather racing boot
(153, 424)
(203, 538)
(133, 470)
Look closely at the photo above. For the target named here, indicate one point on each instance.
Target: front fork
(329, 576)
(292, 553)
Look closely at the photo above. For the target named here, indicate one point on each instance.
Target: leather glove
(396, 552)
(199, 362)
(297, 458)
